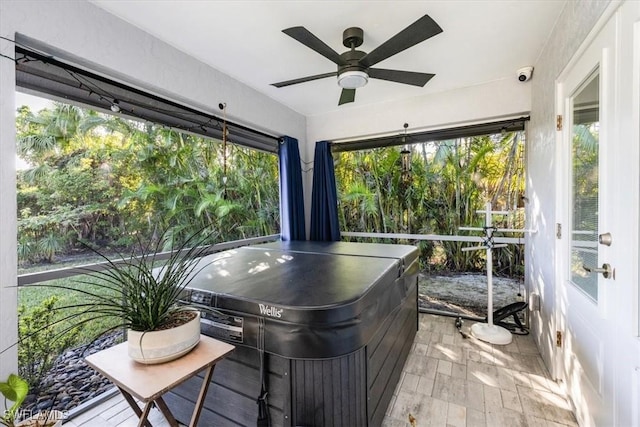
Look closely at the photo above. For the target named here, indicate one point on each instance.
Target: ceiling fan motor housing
(352, 37)
(351, 59)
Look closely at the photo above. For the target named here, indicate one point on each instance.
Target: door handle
(605, 239)
(606, 270)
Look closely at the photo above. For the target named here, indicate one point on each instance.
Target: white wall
(575, 22)
(83, 33)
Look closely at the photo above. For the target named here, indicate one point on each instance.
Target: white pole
(488, 223)
(488, 331)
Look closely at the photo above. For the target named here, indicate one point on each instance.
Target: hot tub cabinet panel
(231, 400)
(387, 354)
(338, 320)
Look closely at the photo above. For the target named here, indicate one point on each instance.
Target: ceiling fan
(354, 66)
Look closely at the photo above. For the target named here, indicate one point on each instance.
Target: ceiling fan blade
(305, 37)
(303, 79)
(347, 95)
(415, 33)
(398, 76)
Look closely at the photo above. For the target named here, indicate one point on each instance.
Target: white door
(586, 101)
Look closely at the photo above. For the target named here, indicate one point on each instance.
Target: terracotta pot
(162, 346)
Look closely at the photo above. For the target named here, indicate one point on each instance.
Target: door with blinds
(585, 100)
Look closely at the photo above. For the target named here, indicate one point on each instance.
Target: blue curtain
(291, 195)
(324, 196)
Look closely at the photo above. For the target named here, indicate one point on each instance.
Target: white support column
(8, 220)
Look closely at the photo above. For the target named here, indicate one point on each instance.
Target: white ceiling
(482, 41)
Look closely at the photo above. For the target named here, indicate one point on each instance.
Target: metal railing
(434, 237)
(60, 273)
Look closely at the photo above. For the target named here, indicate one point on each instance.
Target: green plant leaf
(15, 390)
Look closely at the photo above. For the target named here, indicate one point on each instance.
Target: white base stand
(491, 333)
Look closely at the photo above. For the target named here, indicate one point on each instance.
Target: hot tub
(338, 319)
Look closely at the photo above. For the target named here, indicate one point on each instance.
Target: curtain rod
(479, 129)
(85, 73)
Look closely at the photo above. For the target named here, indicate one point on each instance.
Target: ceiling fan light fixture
(352, 79)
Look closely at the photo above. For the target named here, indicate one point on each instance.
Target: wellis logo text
(270, 311)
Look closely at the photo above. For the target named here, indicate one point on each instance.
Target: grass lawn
(31, 296)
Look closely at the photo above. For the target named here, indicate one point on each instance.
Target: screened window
(584, 186)
(427, 190)
(113, 167)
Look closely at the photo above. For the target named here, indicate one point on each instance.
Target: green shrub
(40, 341)
(49, 246)
(26, 250)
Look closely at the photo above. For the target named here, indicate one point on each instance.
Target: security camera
(524, 74)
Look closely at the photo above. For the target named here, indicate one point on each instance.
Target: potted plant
(15, 390)
(144, 295)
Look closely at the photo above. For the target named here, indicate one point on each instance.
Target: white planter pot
(162, 346)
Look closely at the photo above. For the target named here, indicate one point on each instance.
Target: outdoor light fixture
(352, 79)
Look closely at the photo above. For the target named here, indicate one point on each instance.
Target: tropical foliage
(447, 183)
(113, 182)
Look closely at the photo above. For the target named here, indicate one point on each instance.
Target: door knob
(605, 239)
(606, 270)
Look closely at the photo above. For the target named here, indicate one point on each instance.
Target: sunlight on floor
(452, 381)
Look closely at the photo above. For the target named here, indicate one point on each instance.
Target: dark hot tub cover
(318, 299)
